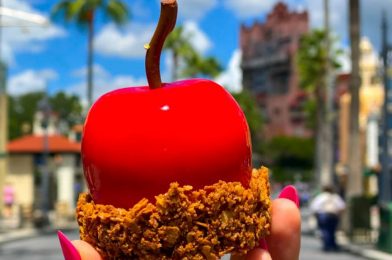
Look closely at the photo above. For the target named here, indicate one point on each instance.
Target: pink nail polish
(290, 192)
(69, 250)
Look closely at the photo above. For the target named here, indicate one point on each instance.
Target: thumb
(86, 251)
(255, 254)
(258, 254)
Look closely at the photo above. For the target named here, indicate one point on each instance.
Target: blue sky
(55, 55)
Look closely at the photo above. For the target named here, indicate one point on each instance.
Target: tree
(290, 157)
(251, 111)
(23, 108)
(187, 62)
(21, 112)
(312, 60)
(68, 107)
(83, 12)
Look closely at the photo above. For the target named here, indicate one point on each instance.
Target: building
(269, 70)
(26, 161)
(371, 96)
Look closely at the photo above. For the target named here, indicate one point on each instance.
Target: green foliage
(21, 113)
(197, 66)
(290, 157)
(68, 107)
(186, 60)
(312, 57)
(23, 108)
(82, 11)
(311, 63)
(251, 110)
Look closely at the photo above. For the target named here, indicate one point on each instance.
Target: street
(41, 247)
(47, 247)
(310, 250)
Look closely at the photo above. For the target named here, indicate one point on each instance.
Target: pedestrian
(328, 206)
(8, 199)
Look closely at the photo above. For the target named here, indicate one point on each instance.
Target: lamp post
(45, 109)
(385, 179)
(327, 128)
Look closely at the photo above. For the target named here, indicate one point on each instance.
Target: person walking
(328, 206)
(8, 199)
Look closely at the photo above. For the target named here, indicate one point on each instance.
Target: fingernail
(290, 192)
(263, 244)
(69, 250)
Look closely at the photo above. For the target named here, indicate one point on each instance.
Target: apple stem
(166, 24)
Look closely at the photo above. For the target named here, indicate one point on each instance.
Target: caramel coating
(183, 224)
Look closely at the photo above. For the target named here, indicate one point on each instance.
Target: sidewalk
(15, 234)
(366, 250)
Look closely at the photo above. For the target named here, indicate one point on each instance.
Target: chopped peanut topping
(183, 224)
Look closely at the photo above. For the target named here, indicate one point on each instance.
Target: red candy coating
(138, 140)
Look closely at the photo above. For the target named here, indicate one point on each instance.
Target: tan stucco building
(25, 164)
(371, 102)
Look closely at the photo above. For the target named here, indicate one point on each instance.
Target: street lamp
(385, 177)
(385, 192)
(45, 109)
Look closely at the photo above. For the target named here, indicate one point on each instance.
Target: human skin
(283, 243)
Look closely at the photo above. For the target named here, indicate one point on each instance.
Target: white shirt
(327, 202)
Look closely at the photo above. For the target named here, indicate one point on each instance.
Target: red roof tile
(35, 144)
(78, 128)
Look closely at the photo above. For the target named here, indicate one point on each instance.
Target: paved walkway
(310, 245)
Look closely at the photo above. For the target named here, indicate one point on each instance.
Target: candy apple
(138, 140)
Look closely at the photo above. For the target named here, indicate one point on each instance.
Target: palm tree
(83, 12)
(312, 63)
(187, 62)
(198, 66)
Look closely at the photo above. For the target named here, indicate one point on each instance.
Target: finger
(68, 249)
(258, 254)
(86, 251)
(255, 254)
(285, 239)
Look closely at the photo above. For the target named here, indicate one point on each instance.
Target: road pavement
(40, 247)
(46, 247)
(311, 250)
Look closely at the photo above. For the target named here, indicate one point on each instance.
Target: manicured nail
(69, 250)
(290, 192)
(263, 244)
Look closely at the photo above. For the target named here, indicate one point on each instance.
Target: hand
(285, 239)
(283, 243)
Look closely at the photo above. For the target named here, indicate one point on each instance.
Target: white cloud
(338, 16)
(127, 42)
(30, 81)
(99, 72)
(249, 8)
(195, 9)
(104, 82)
(22, 36)
(197, 37)
(231, 79)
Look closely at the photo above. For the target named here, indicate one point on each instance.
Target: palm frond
(117, 11)
(62, 9)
